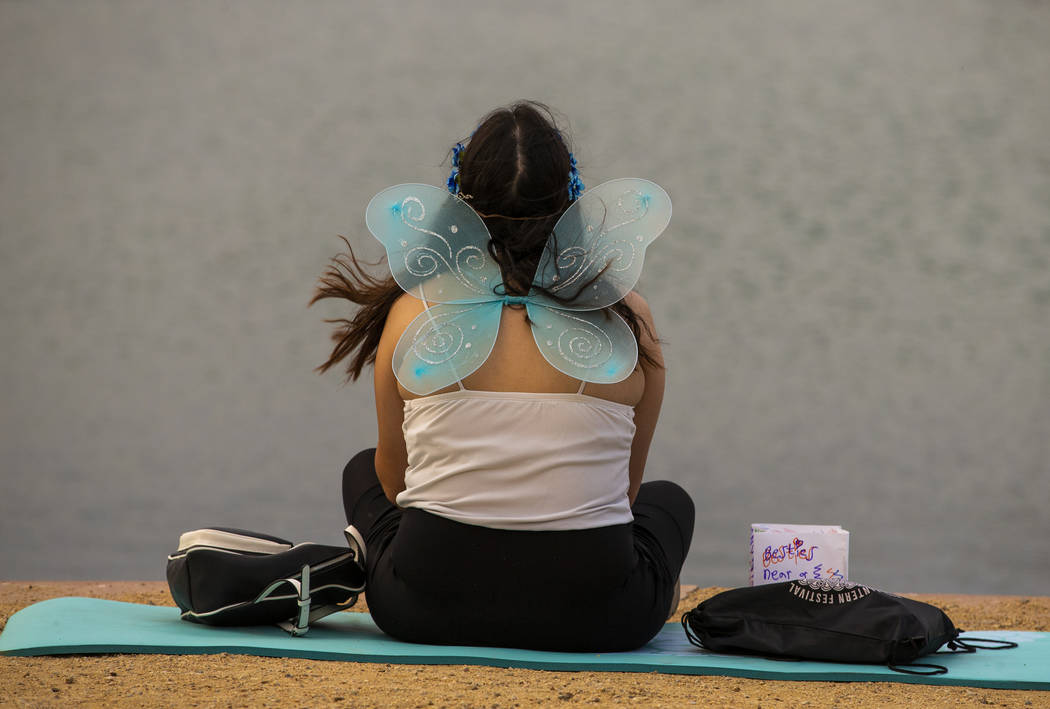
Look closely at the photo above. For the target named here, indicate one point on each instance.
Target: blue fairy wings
(437, 248)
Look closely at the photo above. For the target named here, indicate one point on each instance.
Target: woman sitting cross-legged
(518, 381)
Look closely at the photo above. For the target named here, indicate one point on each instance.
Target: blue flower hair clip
(576, 185)
(453, 178)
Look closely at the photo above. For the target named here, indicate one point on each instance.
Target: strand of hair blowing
(357, 338)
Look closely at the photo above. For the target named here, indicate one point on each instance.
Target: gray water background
(854, 290)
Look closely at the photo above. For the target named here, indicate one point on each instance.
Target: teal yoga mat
(63, 626)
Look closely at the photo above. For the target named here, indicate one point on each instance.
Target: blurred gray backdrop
(855, 288)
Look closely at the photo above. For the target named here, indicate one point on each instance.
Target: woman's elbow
(392, 491)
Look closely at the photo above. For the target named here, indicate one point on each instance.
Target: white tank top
(519, 460)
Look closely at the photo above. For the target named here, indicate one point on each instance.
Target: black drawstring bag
(837, 621)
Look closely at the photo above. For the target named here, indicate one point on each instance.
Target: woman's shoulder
(404, 310)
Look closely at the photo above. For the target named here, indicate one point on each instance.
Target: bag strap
(956, 646)
(302, 590)
(932, 669)
(967, 645)
(306, 614)
(690, 634)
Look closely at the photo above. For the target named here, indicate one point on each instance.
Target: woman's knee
(361, 464)
(661, 503)
(359, 476)
(665, 493)
(360, 473)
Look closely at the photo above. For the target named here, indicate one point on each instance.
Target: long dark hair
(514, 172)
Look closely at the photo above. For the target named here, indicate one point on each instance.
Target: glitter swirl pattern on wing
(474, 258)
(439, 339)
(423, 261)
(618, 253)
(584, 344)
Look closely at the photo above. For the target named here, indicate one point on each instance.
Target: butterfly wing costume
(438, 250)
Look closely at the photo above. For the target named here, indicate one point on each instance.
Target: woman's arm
(391, 454)
(647, 410)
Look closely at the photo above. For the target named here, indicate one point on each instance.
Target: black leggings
(433, 580)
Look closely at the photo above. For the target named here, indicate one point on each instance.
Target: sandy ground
(235, 680)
